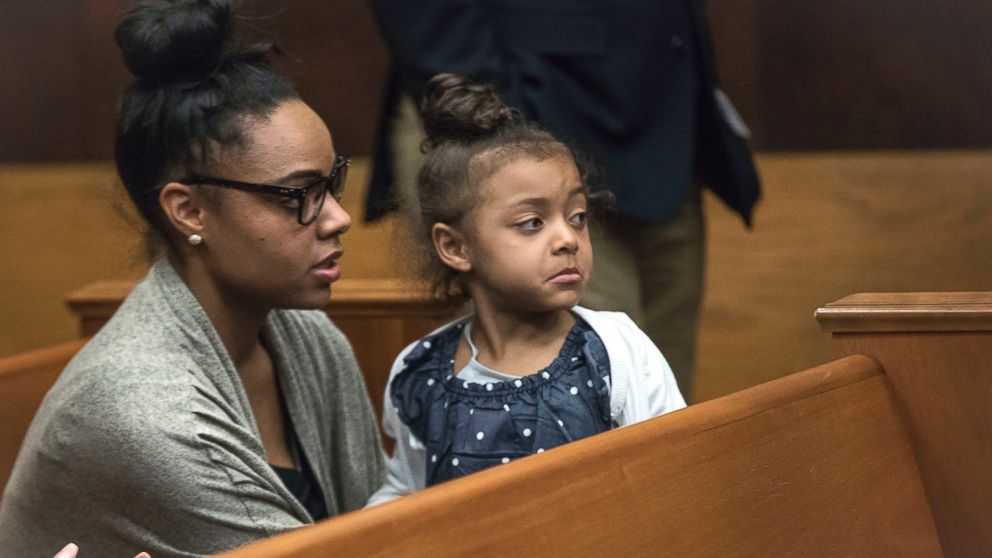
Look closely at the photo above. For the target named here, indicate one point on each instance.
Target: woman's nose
(333, 219)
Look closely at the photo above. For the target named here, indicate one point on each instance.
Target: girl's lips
(566, 276)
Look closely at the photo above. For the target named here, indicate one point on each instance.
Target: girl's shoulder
(438, 341)
(612, 327)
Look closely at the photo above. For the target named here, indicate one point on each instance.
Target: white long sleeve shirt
(642, 386)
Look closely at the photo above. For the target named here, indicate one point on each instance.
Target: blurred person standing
(632, 84)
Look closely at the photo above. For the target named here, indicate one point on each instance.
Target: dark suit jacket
(630, 83)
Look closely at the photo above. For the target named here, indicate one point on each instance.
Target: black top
(303, 484)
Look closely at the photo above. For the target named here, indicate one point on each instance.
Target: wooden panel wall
(63, 73)
(61, 79)
(856, 74)
(838, 74)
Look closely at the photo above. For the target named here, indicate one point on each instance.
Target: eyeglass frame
(335, 181)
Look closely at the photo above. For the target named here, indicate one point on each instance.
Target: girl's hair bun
(454, 108)
(174, 40)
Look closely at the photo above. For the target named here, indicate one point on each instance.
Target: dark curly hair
(471, 134)
(195, 89)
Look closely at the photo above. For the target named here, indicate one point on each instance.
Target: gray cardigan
(147, 440)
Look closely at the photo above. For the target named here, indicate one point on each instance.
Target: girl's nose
(566, 239)
(333, 219)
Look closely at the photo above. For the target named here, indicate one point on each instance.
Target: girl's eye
(291, 203)
(578, 219)
(531, 224)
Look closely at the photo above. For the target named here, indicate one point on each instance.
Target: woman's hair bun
(454, 108)
(174, 40)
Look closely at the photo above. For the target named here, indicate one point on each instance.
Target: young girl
(503, 217)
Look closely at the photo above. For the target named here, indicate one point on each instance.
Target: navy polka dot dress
(467, 426)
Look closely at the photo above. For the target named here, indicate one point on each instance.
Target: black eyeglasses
(309, 197)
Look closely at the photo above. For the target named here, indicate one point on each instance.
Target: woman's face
(254, 249)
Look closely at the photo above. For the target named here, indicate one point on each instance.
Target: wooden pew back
(817, 463)
(24, 380)
(936, 349)
(379, 317)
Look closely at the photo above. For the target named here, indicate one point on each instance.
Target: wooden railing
(379, 316)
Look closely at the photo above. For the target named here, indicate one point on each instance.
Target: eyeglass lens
(314, 201)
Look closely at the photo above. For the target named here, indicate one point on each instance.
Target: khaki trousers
(654, 273)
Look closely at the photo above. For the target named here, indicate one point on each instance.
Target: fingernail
(68, 551)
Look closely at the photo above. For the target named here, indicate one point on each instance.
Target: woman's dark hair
(471, 134)
(195, 89)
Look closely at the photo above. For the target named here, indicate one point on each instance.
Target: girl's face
(527, 240)
(254, 247)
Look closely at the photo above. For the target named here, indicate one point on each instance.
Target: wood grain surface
(943, 383)
(814, 464)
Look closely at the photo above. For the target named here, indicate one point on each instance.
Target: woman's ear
(449, 243)
(182, 208)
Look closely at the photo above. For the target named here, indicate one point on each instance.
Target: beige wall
(65, 226)
(829, 225)
(58, 231)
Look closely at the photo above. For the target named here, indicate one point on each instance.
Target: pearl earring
(194, 239)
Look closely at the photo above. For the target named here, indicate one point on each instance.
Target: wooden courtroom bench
(379, 317)
(24, 380)
(881, 455)
(813, 464)
(888, 454)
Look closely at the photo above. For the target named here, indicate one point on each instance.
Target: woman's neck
(238, 324)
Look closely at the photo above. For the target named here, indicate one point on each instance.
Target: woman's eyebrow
(301, 173)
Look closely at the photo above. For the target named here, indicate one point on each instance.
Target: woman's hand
(70, 551)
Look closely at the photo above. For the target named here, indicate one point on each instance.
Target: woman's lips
(328, 269)
(329, 273)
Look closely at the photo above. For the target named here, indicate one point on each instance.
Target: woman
(216, 407)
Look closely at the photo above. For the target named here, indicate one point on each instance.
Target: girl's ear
(182, 208)
(450, 245)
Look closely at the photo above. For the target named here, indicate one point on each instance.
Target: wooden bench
(817, 463)
(379, 316)
(24, 380)
(881, 455)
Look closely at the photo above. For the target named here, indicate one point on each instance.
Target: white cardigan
(642, 386)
